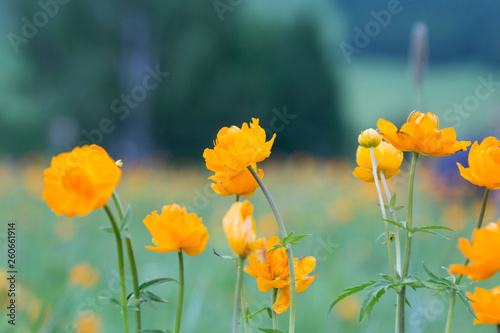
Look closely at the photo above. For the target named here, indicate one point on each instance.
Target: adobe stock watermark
(363, 36)
(30, 27)
(123, 105)
(223, 6)
(460, 111)
(427, 313)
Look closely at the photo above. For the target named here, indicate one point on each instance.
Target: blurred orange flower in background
(484, 164)
(389, 160)
(87, 322)
(80, 181)
(421, 134)
(243, 184)
(234, 150)
(239, 227)
(175, 230)
(484, 253)
(274, 273)
(486, 305)
(83, 274)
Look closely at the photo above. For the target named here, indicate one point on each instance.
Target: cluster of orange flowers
(84, 179)
(484, 251)
(235, 150)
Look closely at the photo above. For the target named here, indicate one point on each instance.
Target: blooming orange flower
(234, 150)
(274, 273)
(80, 181)
(486, 305)
(239, 227)
(484, 253)
(389, 160)
(484, 164)
(421, 134)
(83, 274)
(175, 230)
(243, 184)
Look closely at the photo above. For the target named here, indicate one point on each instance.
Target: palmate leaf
(350, 291)
(375, 291)
(288, 240)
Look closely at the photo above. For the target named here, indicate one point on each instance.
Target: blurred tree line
(140, 77)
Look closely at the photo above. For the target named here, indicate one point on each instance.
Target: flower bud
(369, 138)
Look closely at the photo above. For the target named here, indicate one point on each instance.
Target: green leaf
(111, 299)
(224, 257)
(150, 283)
(466, 300)
(375, 291)
(126, 220)
(415, 230)
(397, 224)
(268, 330)
(292, 240)
(155, 331)
(250, 316)
(107, 229)
(350, 291)
(393, 200)
(149, 296)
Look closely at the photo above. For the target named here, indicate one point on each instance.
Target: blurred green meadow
(315, 196)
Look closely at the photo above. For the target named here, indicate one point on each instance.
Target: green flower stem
(180, 300)
(132, 264)
(119, 247)
(237, 198)
(291, 266)
(237, 293)
(453, 294)
(244, 308)
(400, 319)
(394, 218)
(498, 328)
(382, 209)
(275, 315)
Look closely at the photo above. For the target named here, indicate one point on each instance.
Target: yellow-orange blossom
(234, 150)
(421, 134)
(387, 157)
(274, 273)
(239, 227)
(175, 230)
(80, 181)
(484, 253)
(484, 164)
(486, 305)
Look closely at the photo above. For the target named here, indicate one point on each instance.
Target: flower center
(76, 180)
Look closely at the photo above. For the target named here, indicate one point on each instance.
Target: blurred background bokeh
(153, 82)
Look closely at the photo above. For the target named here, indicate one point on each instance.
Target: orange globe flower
(274, 273)
(421, 134)
(235, 149)
(484, 253)
(80, 181)
(83, 274)
(243, 184)
(239, 227)
(486, 305)
(484, 164)
(175, 230)
(389, 160)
